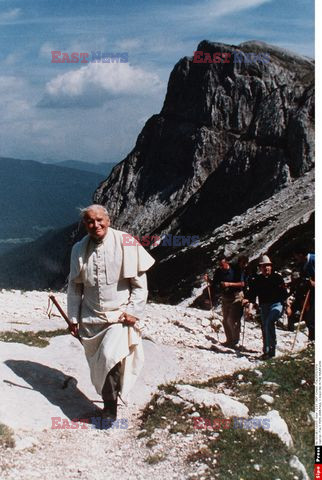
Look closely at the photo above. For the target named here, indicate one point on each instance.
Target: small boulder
(203, 397)
(279, 426)
(297, 465)
(267, 398)
(205, 322)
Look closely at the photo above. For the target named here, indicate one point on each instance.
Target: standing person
(306, 261)
(228, 280)
(271, 291)
(107, 293)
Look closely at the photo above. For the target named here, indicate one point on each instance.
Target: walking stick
(210, 300)
(306, 301)
(244, 326)
(211, 306)
(63, 314)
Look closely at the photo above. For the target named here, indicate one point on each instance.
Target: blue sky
(94, 112)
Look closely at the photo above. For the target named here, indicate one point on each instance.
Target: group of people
(107, 293)
(243, 293)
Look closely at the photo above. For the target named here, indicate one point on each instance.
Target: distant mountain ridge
(102, 168)
(37, 197)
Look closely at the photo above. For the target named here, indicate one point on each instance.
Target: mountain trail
(183, 347)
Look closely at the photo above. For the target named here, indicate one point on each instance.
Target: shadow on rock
(58, 388)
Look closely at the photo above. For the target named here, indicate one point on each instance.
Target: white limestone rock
(279, 426)
(205, 322)
(267, 399)
(227, 405)
(25, 442)
(297, 465)
(271, 384)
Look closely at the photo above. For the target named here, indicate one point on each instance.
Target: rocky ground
(179, 345)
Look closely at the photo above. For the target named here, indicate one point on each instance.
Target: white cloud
(225, 7)
(206, 12)
(10, 15)
(93, 84)
(35, 133)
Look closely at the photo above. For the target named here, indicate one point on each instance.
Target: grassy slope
(237, 453)
(32, 339)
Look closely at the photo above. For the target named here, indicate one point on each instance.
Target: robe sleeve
(138, 296)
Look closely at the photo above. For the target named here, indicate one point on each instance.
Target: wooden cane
(212, 308)
(301, 316)
(63, 314)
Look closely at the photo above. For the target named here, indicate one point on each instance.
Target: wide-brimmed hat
(264, 260)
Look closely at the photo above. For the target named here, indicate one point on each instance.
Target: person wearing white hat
(269, 287)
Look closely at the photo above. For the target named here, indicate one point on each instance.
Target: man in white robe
(107, 293)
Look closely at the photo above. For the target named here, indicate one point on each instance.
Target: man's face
(223, 264)
(96, 224)
(266, 269)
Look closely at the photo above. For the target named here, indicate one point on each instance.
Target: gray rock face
(271, 226)
(229, 135)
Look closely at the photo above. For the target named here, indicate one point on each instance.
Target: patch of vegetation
(255, 454)
(151, 443)
(156, 458)
(159, 416)
(7, 439)
(33, 339)
(293, 398)
(204, 454)
(251, 454)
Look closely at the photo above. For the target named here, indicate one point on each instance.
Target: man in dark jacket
(270, 289)
(229, 281)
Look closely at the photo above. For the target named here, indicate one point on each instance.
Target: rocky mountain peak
(228, 136)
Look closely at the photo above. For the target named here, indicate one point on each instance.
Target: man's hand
(225, 284)
(127, 319)
(74, 328)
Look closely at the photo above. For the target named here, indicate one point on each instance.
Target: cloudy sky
(94, 112)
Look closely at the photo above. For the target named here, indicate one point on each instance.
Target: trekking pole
(211, 307)
(63, 314)
(306, 301)
(244, 326)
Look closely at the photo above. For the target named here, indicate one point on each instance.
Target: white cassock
(106, 279)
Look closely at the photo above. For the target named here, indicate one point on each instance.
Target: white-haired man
(107, 293)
